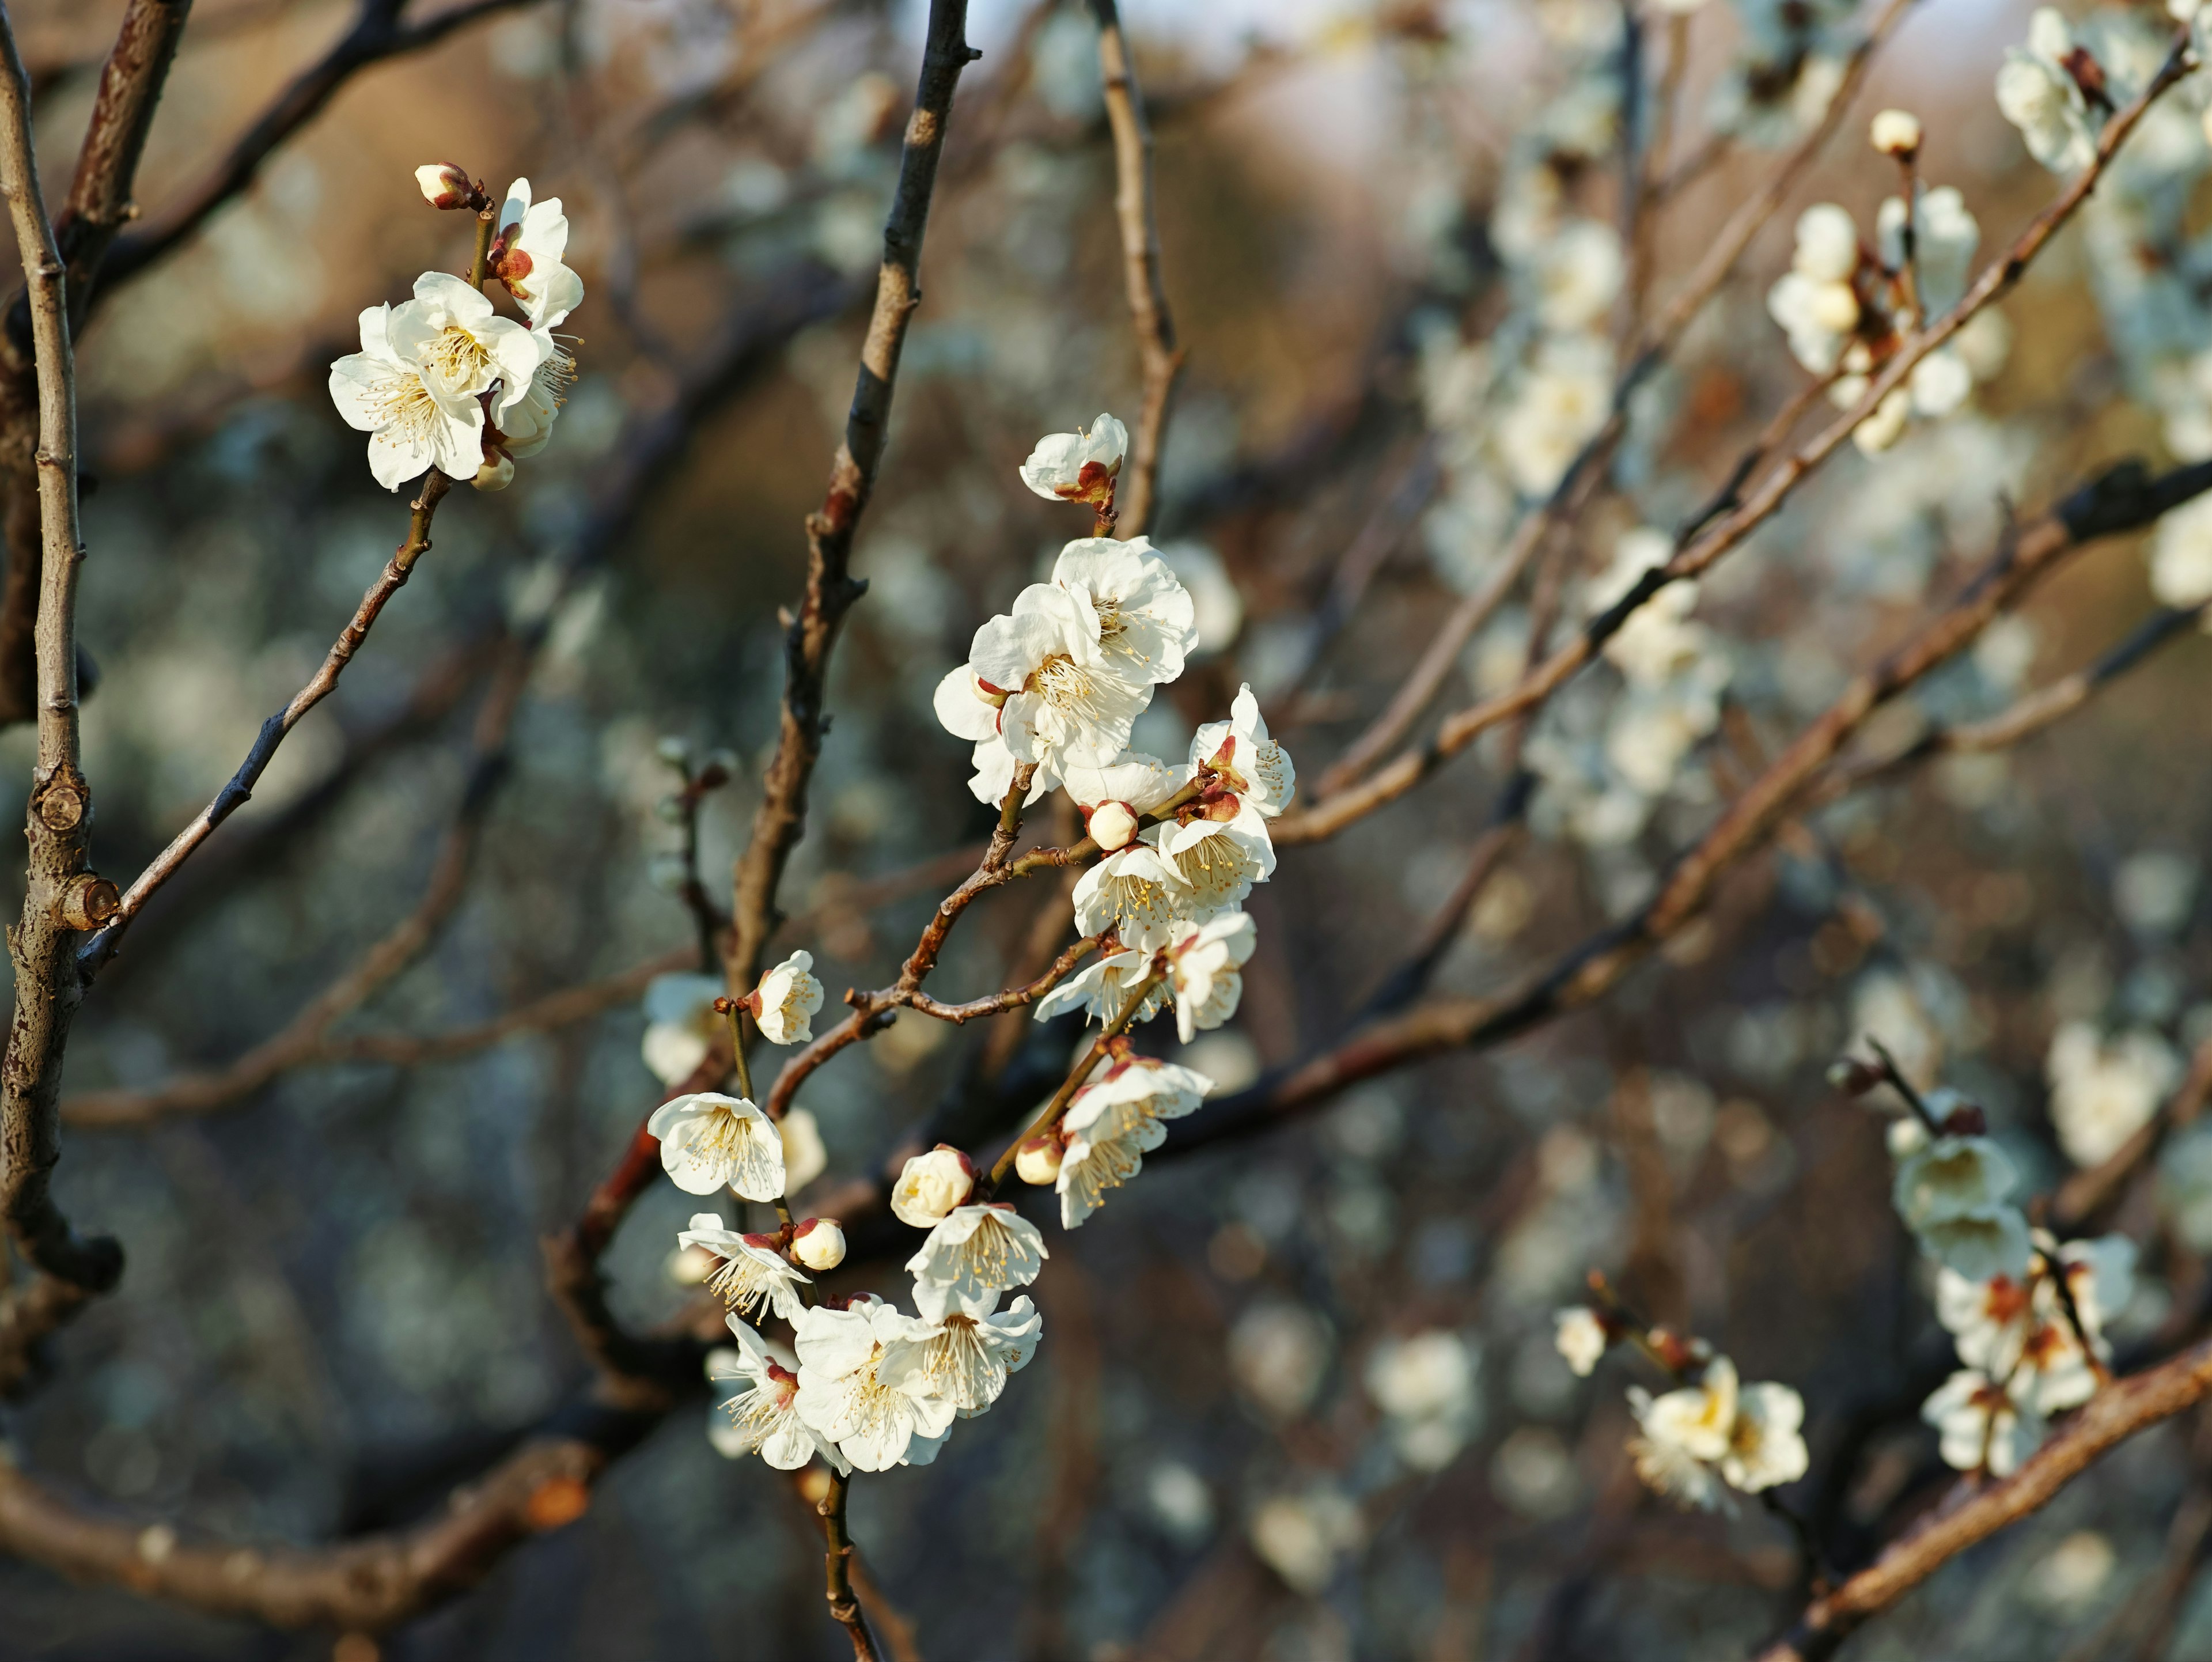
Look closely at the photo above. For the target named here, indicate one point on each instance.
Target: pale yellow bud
(818, 1243)
(496, 474)
(1896, 132)
(1113, 826)
(1038, 1162)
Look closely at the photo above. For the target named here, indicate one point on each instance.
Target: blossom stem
(486, 227)
(1893, 1076)
(837, 1561)
(738, 1049)
(1053, 1110)
(1908, 261)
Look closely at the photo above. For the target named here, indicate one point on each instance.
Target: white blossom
(1980, 1424)
(1114, 1122)
(1558, 405)
(765, 1418)
(963, 1356)
(2103, 1091)
(1114, 800)
(1061, 701)
(443, 184)
(1766, 1446)
(1887, 424)
(785, 1002)
(1945, 236)
(1147, 622)
(2181, 555)
(1717, 1431)
(2038, 95)
(972, 1255)
(1576, 276)
(708, 1140)
(525, 424)
(843, 1395)
(462, 347)
(1079, 466)
(681, 1026)
(930, 1186)
(1102, 990)
(1581, 1338)
(1205, 969)
(1136, 894)
(529, 257)
(1214, 861)
(805, 1156)
(412, 425)
(750, 1272)
(1237, 757)
(1425, 1385)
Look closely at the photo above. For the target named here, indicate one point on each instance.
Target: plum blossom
(1425, 1385)
(412, 426)
(1147, 623)
(785, 1002)
(1113, 1123)
(1079, 466)
(2036, 91)
(708, 1140)
(1950, 1191)
(681, 1024)
(845, 1398)
(1043, 683)
(461, 346)
(1813, 301)
(2103, 1091)
(1945, 236)
(963, 1356)
(1114, 800)
(750, 1273)
(972, 1255)
(931, 1185)
(765, 1418)
(1136, 894)
(1715, 1432)
(1102, 990)
(443, 184)
(528, 257)
(1895, 132)
(1236, 757)
(1205, 969)
(1581, 1338)
(1980, 1424)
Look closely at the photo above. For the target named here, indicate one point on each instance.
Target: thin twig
(1138, 221)
(780, 820)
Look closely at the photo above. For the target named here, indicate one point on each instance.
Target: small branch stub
(86, 901)
(62, 806)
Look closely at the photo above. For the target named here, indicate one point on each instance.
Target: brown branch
(1014, 998)
(2113, 1416)
(239, 789)
(1138, 224)
(62, 897)
(1392, 781)
(780, 820)
(305, 1037)
(377, 34)
(1435, 665)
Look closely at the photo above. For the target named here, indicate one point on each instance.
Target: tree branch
(780, 820)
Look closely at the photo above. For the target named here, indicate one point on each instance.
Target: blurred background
(1297, 1397)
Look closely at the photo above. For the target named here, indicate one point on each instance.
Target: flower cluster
(2027, 1314)
(1712, 1434)
(1845, 306)
(1048, 694)
(442, 381)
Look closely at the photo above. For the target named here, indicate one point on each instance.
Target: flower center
(458, 355)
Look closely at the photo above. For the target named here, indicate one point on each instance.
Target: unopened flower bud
(1896, 132)
(443, 184)
(932, 1186)
(1852, 1077)
(818, 1243)
(1038, 1161)
(1966, 1120)
(1113, 826)
(497, 473)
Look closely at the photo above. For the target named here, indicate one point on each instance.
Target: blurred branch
(780, 820)
(1388, 783)
(239, 791)
(2085, 1196)
(2124, 499)
(61, 897)
(377, 34)
(2113, 1415)
(1134, 213)
(306, 1034)
(1435, 665)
